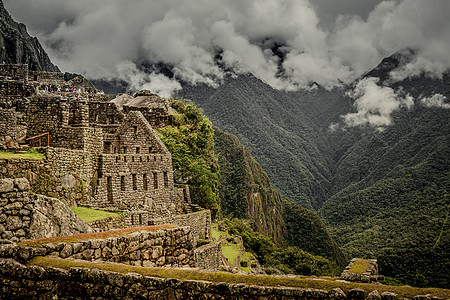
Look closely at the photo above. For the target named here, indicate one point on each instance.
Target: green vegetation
(91, 236)
(89, 215)
(189, 139)
(289, 259)
(360, 266)
(382, 193)
(30, 154)
(231, 252)
(247, 193)
(190, 274)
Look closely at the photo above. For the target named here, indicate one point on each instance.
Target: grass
(360, 266)
(231, 252)
(248, 257)
(92, 236)
(216, 233)
(325, 283)
(30, 154)
(89, 215)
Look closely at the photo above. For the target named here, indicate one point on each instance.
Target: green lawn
(360, 266)
(30, 154)
(90, 215)
(231, 252)
(216, 233)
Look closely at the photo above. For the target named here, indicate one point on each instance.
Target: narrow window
(117, 159)
(124, 150)
(144, 181)
(140, 159)
(148, 159)
(149, 149)
(155, 181)
(140, 219)
(109, 188)
(132, 158)
(133, 176)
(135, 129)
(166, 180)
(154, 158)
(122, 183)
(125, 159)
(138, 150)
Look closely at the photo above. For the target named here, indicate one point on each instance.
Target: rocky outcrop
(28, 216)
(18, 47)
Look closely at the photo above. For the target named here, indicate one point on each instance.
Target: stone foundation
(28, 216)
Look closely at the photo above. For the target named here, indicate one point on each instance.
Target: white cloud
(374, 104)
(437, 100)
(95, 37)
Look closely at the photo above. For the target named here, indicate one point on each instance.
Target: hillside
(220, 170)
(18, 47)
(381, 192)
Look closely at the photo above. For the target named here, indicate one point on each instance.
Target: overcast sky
(323, 41)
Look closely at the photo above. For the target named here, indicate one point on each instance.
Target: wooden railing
(38, 138)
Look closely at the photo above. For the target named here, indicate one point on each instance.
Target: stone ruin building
(99, 153)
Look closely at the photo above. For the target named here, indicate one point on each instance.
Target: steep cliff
(18, 47)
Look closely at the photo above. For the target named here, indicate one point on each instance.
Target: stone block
(374, 295)
(6, 185)
(22, 184)
(355, 294)
(388, 296)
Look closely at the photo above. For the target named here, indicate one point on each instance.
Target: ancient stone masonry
(207, 257)
(171, 247)
(368, 275)
(12, 128)
(200, 223)
(27, 216)
(18, 281)
(100, 154)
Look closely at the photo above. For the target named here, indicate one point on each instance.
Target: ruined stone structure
(100, 154)
(26, 216)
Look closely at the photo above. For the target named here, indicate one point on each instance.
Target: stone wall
(15, 72)
(166, 247)
(208, 257)
(12, 128)
(108, 224)
(18, 281)
(46, 78)
(101, 112)
(157, 116)
(371, 274)
(24, 216)
(200, 223)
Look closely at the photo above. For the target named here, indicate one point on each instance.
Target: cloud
(280, 41)
(437, 100)
(374, 104)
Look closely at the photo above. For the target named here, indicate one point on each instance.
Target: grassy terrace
(27, 155)
(325, 283)
(360, 266)
(89, 215)
(92, 236)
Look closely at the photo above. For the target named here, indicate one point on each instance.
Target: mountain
(18, 47)
(382, 193)
(287, 140)
(247, 193)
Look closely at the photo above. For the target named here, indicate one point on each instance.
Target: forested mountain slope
(383, 192)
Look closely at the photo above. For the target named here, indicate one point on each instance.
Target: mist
(283, 42)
